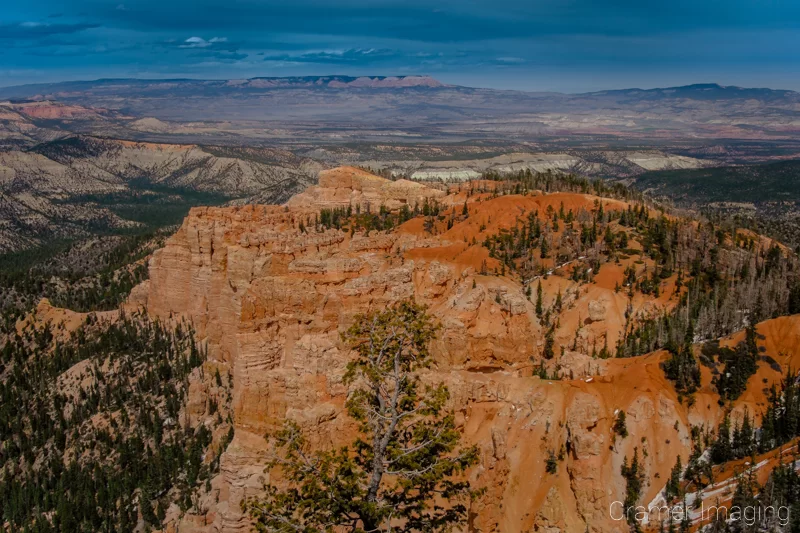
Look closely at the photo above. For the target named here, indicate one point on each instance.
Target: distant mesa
(389, 82)
(46, 109)
(150, 124)
(700, 91)
(73, 88)
(338, 82)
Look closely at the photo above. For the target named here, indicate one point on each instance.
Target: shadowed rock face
(272, 301)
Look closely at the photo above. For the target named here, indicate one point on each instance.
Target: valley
(337, 109)
(78, 186)
(763, 197)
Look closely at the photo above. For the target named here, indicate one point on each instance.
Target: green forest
(112, 442)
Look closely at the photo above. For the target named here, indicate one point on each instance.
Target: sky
(535, 45)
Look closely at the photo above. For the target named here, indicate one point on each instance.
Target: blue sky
(561, 45)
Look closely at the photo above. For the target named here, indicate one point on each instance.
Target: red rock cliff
(272, 300)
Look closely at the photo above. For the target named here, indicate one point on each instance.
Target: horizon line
(385, 76)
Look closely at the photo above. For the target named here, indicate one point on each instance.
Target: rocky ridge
(620, 164)
(271, 298)
(67, 187)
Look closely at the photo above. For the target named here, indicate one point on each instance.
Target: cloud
(510, 60)
(448, 21)
(195, 42)
(37, 30)
(215, 49)
(199, 42)
(486, 40)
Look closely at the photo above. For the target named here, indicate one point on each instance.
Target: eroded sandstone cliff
(271, 293)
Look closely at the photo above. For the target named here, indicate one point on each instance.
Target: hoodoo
(523, 345)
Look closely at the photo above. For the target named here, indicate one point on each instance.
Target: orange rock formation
(271, 301)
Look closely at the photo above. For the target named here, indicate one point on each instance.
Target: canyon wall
(271, 298)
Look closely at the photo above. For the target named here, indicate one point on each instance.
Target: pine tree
(620, 428)
(401, 468)
(544, 248)
(673, 488)
(551, 464)
(682, 369)
(539, 303)
(686, 521)
(721, 449)
(634, 481)
(743, 444)
(549, 344)
(745, 498)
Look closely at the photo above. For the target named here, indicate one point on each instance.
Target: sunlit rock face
(271, 294)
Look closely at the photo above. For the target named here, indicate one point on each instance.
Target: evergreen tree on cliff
(404, 470)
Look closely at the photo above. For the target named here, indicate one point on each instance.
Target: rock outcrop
(353, 187)
(271, 299)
